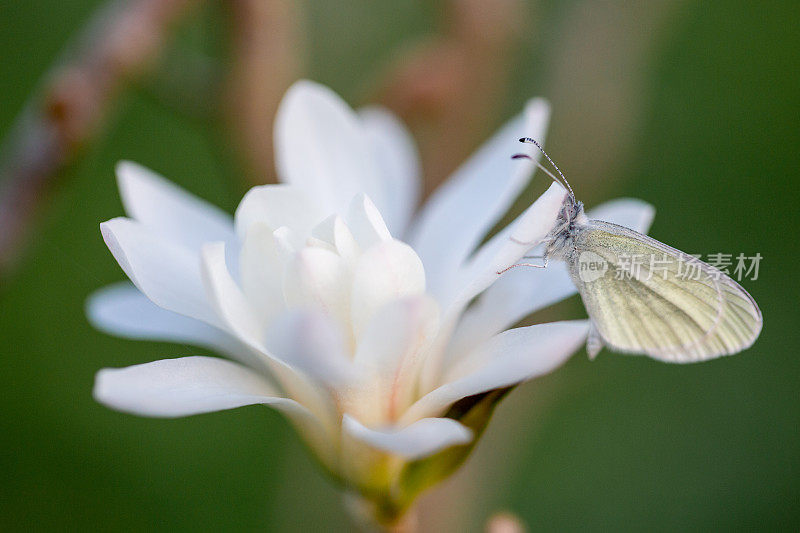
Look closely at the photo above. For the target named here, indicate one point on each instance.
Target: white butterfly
(645, 297)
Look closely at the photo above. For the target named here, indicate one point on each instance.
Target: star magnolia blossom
(380, 334)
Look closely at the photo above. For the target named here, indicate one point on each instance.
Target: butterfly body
(561, 241)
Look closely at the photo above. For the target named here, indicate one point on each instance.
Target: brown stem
(447, 87)
(118, 45)
(409, 523)
(267, 51)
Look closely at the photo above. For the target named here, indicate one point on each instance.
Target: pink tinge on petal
(390, 353)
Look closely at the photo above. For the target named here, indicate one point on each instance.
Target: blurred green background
(623, 443)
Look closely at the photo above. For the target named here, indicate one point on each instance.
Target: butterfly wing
(656, 300)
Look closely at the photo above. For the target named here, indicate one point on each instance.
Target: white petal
(318, 279)
(396, 331)
(390, 354)
(415, 441)
(335, 232)
(322, 148)
(278, 206)
(162, 206)
(166, 273)
(500, 252)
(517, 294)
(310, 342)
(510, 244)
(262, 272)
(193, 385)
(284, 238)
(121, 309)
(366, 222)
(182, 387)
(629, 212)
(460, 213)
(397, 156)
(233, 309)
(239, 317)
(506, 359)
(387, 271)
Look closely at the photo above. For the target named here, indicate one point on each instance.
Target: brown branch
(118, 45)
(267, 51)
(447, 87)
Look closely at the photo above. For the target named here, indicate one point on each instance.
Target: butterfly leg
(526, 264)
(517, 241)
(593, 342)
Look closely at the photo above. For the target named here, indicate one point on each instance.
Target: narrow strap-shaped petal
(163, 206)
(506, 359)
(186, 386)
(121, 309)
(460, 213)
(518, 293)
(507, 247)
(397, 156)
(322, 148)
(181, 387)
(165, 272)
(415, 441)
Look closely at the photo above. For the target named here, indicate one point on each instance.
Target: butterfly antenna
(542, 168)
(528, 140)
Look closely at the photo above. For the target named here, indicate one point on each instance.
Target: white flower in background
(380, 333)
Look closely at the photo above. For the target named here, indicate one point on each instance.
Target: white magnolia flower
(380, 333)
